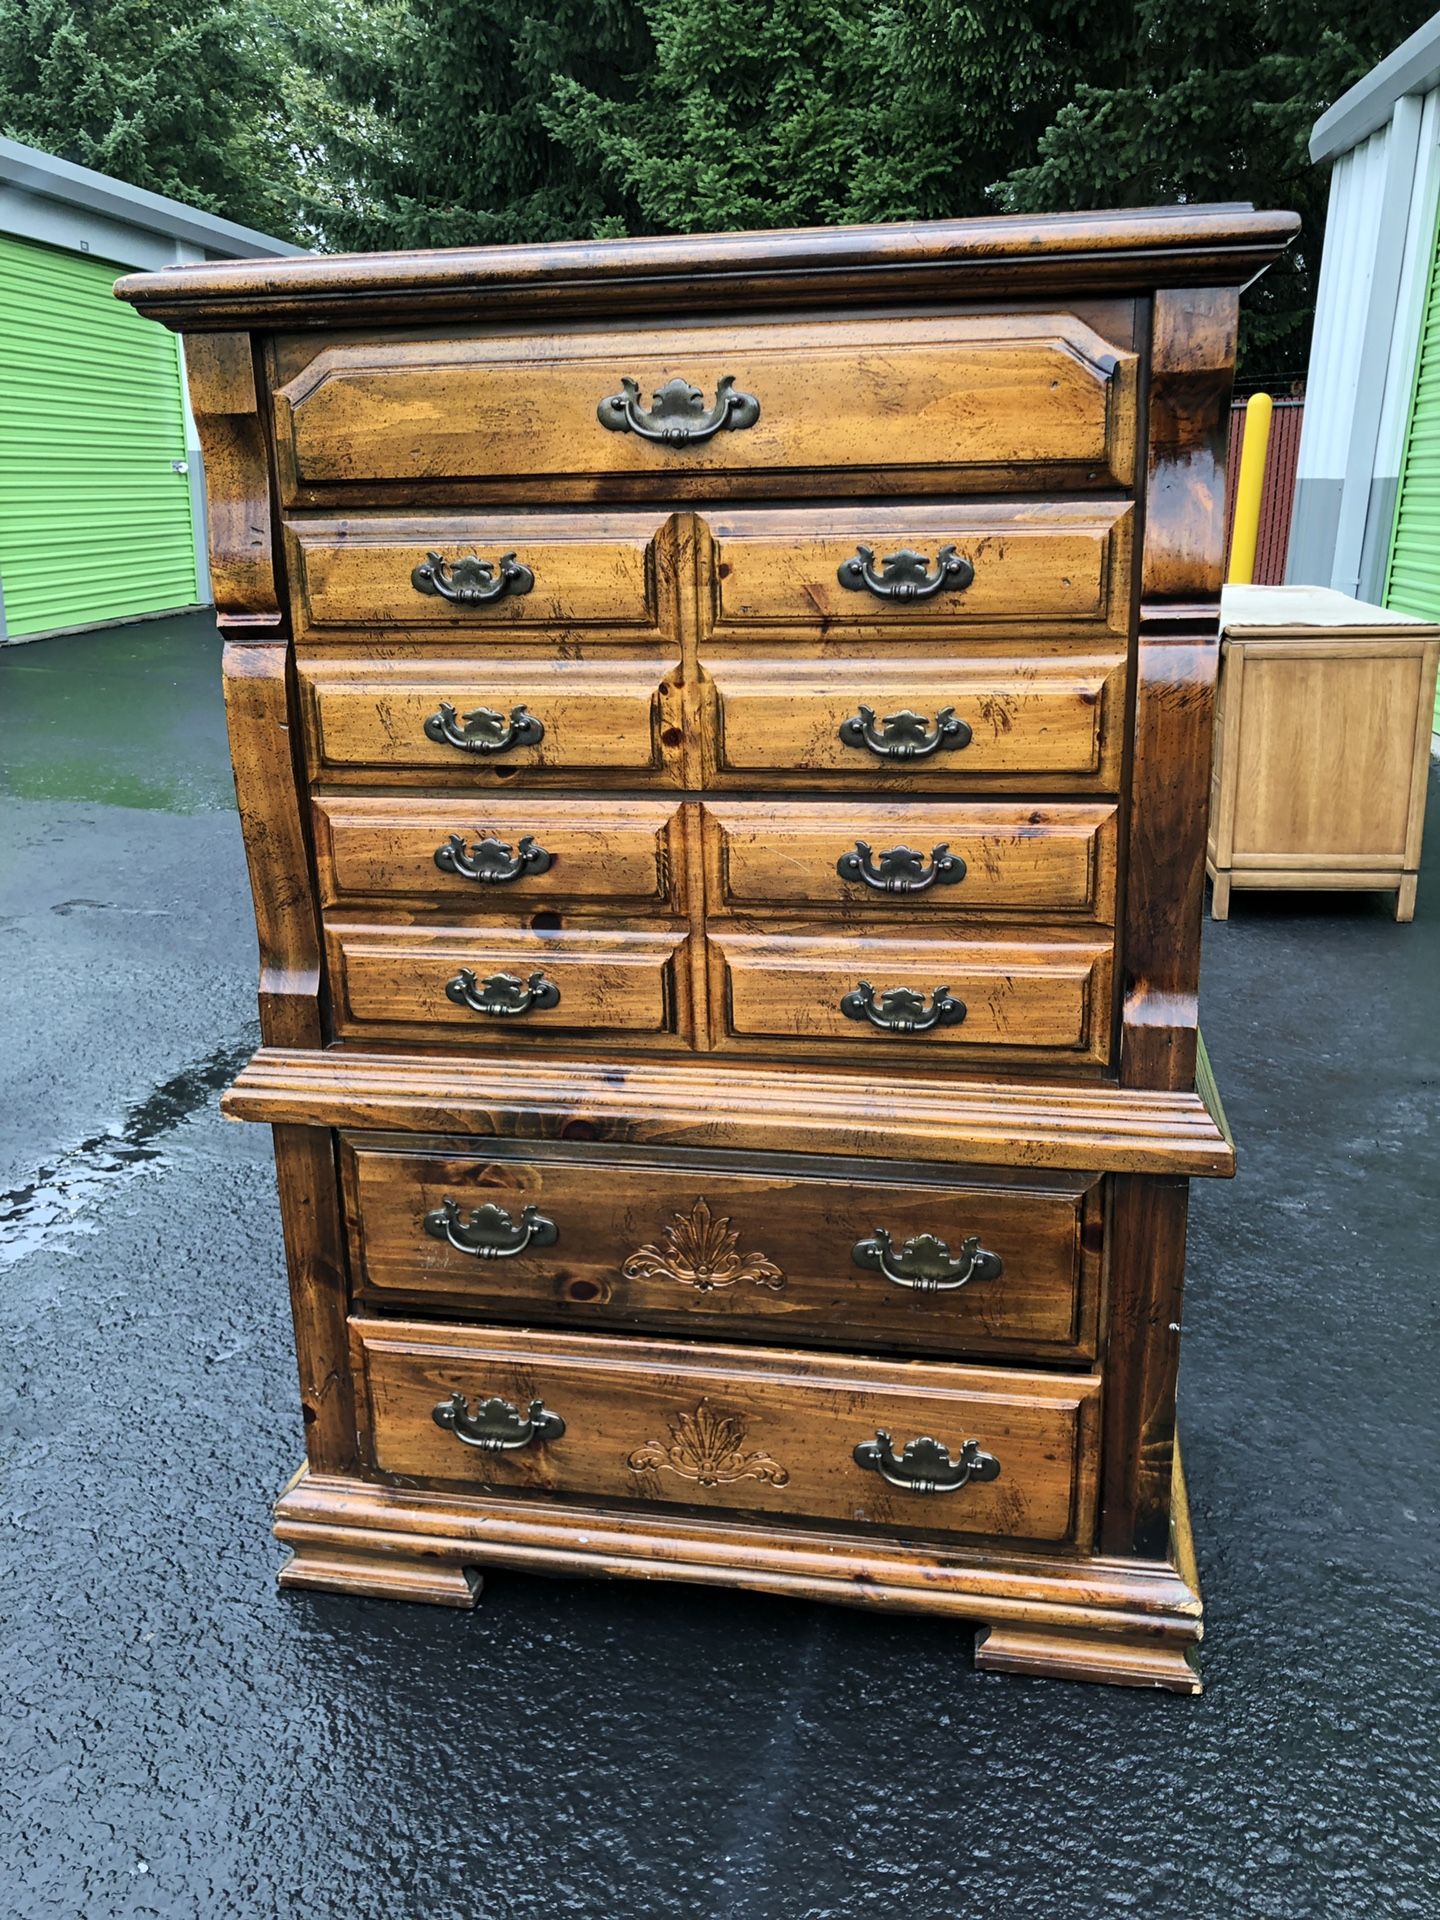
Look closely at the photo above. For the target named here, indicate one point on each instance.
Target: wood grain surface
(742, 1429)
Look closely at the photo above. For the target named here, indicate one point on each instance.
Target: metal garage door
(1412, 578)
(95, 523)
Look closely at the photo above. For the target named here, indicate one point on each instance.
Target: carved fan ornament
(708, 1448)
(702, 1253)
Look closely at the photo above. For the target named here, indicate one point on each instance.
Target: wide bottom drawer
(914, 1446)
(1002, 1265)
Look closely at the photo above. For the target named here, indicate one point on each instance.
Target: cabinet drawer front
(502, 854)
(966, 857)
(582, 982)
(727, 1428)
(1008, 399)
(872, 1260)
(1040, 998)
(595, 573)
(995, 721)
(611, 720)
(880, 573)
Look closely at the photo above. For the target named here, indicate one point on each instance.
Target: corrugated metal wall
(95, 524)
(1277, 498)
(1412, 576)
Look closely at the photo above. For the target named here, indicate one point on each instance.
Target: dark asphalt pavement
(182, 1740)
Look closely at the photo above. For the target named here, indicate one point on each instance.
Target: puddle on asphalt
(54, 1200)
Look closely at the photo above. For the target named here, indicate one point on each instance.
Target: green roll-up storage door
(95, 523)
(1412, 575)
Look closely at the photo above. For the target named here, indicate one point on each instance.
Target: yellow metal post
(1249, 488)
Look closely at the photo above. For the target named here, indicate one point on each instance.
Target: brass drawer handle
(484, 730)
(490, 1233)
(472, 582)
(496, 1426)
(905, 735)
(503, 994)
(901, 870)
(925, 1264)
(677, 416)
(901, 1009)
(925, 1466)
(905, 575)
(492, 862)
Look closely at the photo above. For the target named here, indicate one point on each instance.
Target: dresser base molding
(1127, 1622)
(752, 1108)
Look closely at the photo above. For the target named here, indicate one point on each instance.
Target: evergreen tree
(423, 123)
(173, 95)
(1217, 103)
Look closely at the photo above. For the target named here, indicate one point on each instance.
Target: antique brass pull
(490, 1233)
(925, 1264)
(484, 730)
(502, 994)
(901, 1009)
(925, 1466)
(905, 575)
(677, 416)
(496, 1426)
(492, 861)
(472, 582)
(905, 735)
(901, 870)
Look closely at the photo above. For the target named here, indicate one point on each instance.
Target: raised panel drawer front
(886, 572)
(877, 723)
(912, 997)
(493, 721)
(1015, 399)
(891, 863)
(501, 853)
(500, 987)
(470, 576)
(877, 1258)
(733, 1429)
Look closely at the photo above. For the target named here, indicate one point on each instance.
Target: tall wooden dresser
(722, 732)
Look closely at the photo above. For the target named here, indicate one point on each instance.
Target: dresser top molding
(1128, 251)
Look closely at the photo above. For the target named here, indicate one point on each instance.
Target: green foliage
(172, 95)
(1216, 102)
(383, 123)
(425, 122)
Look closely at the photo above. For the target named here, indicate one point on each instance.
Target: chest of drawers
(721, 729)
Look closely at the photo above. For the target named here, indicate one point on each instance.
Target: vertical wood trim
(257, 709)
(1191, 370)
(1228, 749)
(1420, 766)
(1147, 1273)
(315, 1258)
(220, 371)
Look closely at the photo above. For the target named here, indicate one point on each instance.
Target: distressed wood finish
(1043, 998)
(710, 1247)
(1035, 723)
(1035, 862)
(709, 794)
(220, 374)
(1013, 399)
(732, 1429)
(603, 721)
(623, 855)
(388, 981)
(1042, 567)
(595, 574)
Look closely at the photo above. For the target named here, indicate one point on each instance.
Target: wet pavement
(182, 1740)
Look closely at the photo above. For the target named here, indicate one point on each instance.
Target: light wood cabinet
(1322, 741)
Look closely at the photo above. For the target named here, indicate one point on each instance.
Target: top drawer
(1010, 400)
